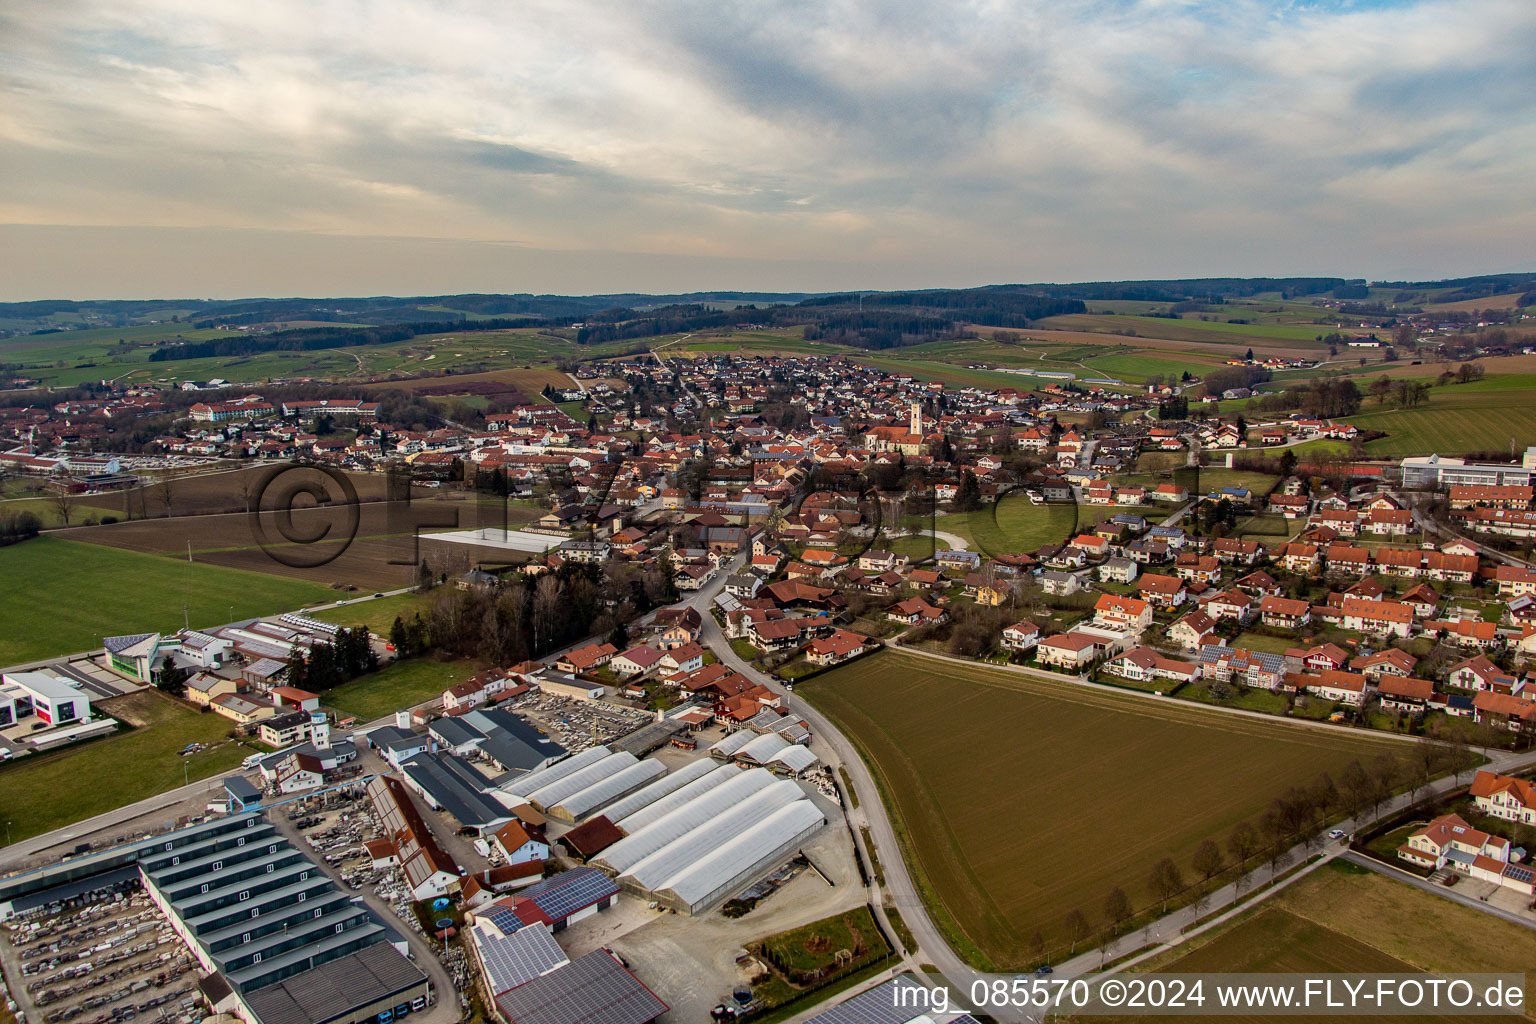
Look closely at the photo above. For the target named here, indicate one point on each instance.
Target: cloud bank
(347, 146)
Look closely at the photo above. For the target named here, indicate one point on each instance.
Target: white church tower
(917, 419)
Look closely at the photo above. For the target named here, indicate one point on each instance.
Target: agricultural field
(1184, 329)
(527, 380)
(219, 488)
(58, 596)
(42, 792)
(1481, 416)
(73, 357)
(382, 556)
(990, 833)
(1343, 917)
(396, 687)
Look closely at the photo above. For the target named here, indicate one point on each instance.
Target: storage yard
(102, 954)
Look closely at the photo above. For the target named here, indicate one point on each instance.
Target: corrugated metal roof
(796, 758)
(734, 862)
(526, 784)
(680, 853)
(728, 746)
(762, 749)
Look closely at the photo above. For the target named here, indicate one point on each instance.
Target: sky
(159, 148)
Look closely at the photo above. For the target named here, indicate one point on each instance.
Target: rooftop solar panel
(569, 891)
(518, 958)
(879, 1005)
(591, 990)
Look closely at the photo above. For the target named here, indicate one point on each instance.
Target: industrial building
(530, 978)
(428, 869)
(52, 700)
(504, 739)
(280, 942)
(726, 835)
(453, 785)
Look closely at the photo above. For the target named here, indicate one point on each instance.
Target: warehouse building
(498, 736)
(586, 802)
(694, 856)
(451, 784)
(517, 790)
(428, 868)
(282, 942)
(637, 819)
(551, 794)
(49, 698)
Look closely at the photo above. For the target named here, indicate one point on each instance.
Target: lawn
(1344, 918)
(401, 685)
(979, 764)
(42, 792)
(1267, 644)
(1016, 525)
(1217, 477)
(1456, 419)
(58, 596)
(378, 614)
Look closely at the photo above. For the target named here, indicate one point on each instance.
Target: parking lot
(107, 957)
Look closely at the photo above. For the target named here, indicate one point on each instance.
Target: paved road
(1428, 527)
(932, 947)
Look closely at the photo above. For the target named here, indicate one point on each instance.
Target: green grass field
(1217, 477)
(401, 685)
(1457, 418)
(378, 615)
(1021, 799)
(42, 792)
(1015, 525)
(58, 596)
(1342, 917)
(1184, 329)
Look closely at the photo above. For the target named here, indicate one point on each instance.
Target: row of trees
(18, 526)
(1295, 816)
(347, 656)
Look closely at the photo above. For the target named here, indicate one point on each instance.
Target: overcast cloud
(178, 147)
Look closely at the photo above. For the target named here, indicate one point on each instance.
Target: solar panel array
(569, 891)
(880, 1005)
(592, 990)
(518, 958)
(505, 921)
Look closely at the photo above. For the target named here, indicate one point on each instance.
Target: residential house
(1284, 613)
(1505, 796)
(1021, 636)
